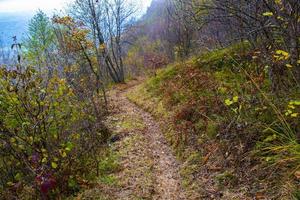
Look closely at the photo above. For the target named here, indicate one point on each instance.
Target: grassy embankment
(222, 120)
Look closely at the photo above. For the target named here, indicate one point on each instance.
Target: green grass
(109, 164)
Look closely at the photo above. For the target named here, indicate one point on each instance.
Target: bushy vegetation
(50, 137)
(52, 105)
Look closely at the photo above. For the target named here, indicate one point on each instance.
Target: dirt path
(149, 169)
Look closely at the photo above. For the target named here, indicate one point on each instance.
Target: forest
(194, 99)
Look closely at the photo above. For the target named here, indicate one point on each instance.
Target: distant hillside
(156, 9)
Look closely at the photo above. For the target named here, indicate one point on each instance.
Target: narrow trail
(150, 170)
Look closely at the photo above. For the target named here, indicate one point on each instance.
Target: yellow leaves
(44, 160)
(289, 66)
(268, 14)
(291, 111)
(236, 108)
(298, 62)
(13, 140)
(291, 107)
(63, 154)
(55, 136)
(229, 102)
(10, 183)
(281, 55)
(235, 99)
(102, 47)
(76, 136)
(76, 36)
(280, 18)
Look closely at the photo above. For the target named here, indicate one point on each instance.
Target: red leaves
(46, 182)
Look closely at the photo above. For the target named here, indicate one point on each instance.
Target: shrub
(48, 135)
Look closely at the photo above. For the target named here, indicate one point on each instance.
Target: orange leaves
(75, 35)
(66, 20)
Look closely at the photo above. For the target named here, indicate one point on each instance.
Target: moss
(226, 178)
(130, 123)
(230, 81)
(211, 129)
(110, 180)
(110, 164)
(200, 126)
(223, 58)
(190, 167)
(194, 158)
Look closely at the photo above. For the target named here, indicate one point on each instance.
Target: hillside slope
(225, 126)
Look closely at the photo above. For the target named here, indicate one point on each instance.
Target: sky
(27, 6)
(17, 6)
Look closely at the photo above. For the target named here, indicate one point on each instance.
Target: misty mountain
(13, 25)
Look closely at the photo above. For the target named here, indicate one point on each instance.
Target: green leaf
(228, 102)
(18, 176)
(72, 183)
(53, 165)
(269, 159)
(271, 138)
(288, 112)
(69, 146)
(296, 103)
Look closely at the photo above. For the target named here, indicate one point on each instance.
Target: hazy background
(15, 14)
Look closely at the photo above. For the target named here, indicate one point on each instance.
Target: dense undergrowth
(223, 120)
(52, 137)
